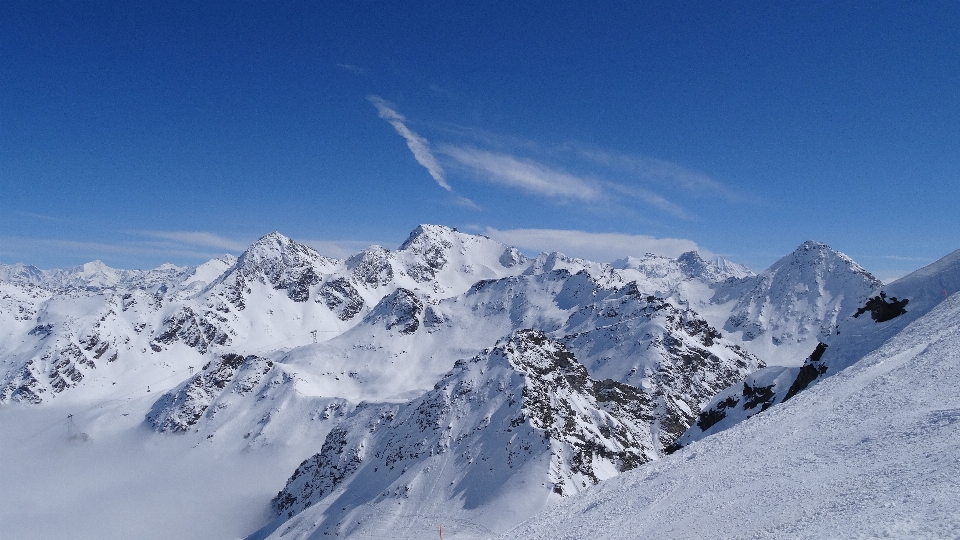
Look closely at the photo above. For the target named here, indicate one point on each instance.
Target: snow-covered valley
(452, 381)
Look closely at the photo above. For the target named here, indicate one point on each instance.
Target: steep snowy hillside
(871, 452)
(877, 319)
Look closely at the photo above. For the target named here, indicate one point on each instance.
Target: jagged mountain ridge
(390, 324)
(295, 291)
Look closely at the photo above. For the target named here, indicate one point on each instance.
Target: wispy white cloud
(467, 203)
(537, 178)
(525, 174)
(649, 197)
(637, 168)
(648, 168)
(601, 247)
(417, 144)
(197, 238)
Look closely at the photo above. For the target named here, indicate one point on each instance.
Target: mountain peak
(823, 256)
(427, 234)
(271, 239)
(813, 244)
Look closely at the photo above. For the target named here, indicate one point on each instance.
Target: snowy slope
(867, 453)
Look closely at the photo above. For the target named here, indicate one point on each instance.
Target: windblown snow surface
(871, 452)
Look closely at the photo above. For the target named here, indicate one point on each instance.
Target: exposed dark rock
(400, 309)
(882, 310)
(762, 396)
(710, 417)
(372, 266)
(342, 298)
(24, 387)
(42, 330)
(194, 330)
(180, 409)
(811, 370)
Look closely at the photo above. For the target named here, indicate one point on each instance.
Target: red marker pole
(441, 531)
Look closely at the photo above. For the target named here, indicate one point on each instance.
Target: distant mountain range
(452, 380)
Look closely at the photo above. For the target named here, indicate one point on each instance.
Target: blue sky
(142, 133)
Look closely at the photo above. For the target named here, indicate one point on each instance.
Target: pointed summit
(800, 299)
(275, 247)
(436, 253)
(425, 235)
(284, 264)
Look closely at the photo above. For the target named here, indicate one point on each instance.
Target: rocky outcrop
(194, 330)
(180, 409)
(372, 267)
(341, 297)
(401, 310)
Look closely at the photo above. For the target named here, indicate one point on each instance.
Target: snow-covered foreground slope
(873, 451)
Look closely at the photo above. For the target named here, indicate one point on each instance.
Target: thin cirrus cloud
(507, 169)
(640, 168)
(601, 247)
(528, 175)
(197, 238)
(417, 144)
(653, 169)
(356, 70)
(534, 177)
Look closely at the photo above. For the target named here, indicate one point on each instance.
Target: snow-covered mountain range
(452, 380)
